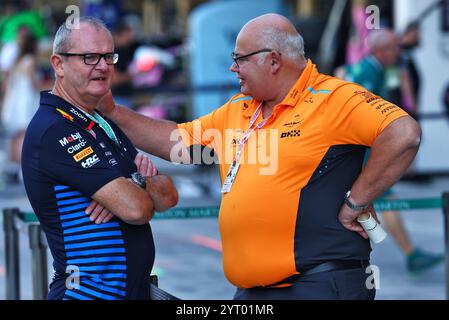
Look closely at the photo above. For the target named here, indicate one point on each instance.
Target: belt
(325, 267)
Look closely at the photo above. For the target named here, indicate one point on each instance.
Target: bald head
(384, 45)
(273, 20)
(381, 39)
(275, 32)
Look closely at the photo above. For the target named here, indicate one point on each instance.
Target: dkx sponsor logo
(292, 133)
(70, 139)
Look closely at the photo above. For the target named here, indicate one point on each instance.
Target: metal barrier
(12, 217)
(11, 254)
(446, 238)
(38, 246)
(38, 242)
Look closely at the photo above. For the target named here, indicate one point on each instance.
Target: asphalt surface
(188, 252)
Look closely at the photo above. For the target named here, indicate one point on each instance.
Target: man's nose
(102, 64)
(234, 67)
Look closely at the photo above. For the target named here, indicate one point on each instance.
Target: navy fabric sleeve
(73, 156)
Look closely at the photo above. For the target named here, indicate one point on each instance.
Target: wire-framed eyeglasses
(236, 57)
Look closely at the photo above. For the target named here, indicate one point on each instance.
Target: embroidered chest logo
(291, 134)
(235, 142)
(309, 100)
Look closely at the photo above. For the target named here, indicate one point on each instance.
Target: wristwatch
(139, 180)
(353, 206)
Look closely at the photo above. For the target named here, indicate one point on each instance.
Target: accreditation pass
(232, 172)
(230, 177)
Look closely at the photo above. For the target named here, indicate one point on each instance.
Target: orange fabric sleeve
(361, 116)
(204, 130)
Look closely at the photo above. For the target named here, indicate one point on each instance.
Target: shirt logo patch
(235, 142)
(291, 124)
(65, 114)
(291, 134)
(78, 114)
(81, 144)
(89, 162)
(364, 94)
(82, 154)
(294, 94)
(66, 140)
(309, 100)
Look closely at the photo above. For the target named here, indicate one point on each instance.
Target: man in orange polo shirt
(290, 147)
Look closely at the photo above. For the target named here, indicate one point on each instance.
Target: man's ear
(58, 65)
(275, 61)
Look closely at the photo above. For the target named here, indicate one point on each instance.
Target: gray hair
(292, 45)
(61, 42)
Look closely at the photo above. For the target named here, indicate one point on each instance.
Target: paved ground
(188, 258)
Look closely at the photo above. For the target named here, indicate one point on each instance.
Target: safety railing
(12, 217)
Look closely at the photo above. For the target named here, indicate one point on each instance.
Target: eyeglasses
(93, 59)
(236, 58)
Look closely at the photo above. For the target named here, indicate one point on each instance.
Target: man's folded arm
(125, 200)
(135, 205)
(162, 191)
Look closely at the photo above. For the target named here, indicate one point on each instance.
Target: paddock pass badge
(230, 177)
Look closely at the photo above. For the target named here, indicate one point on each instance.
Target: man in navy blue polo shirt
(76, 162)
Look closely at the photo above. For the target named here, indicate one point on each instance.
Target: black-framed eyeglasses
(236, 58)
(93, 59)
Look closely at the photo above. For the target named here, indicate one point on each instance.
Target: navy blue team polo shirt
(66, 158)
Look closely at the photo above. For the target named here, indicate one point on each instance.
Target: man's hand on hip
(348, 218)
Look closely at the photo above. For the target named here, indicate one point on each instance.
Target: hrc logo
(291, 134)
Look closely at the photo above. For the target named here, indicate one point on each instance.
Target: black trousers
(350, 284)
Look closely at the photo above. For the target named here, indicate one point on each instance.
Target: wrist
(111, 110)
(139, 180)
(354, 205)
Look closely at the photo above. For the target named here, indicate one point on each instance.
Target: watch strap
(353, 206)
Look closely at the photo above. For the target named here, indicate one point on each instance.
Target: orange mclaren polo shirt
(281, 213)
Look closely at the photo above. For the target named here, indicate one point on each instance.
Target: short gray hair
(61, 42)
(289, 44)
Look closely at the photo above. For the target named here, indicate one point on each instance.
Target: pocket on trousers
(352, 285)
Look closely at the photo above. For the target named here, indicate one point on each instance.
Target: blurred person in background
(20, 101)
(381, 73)
(19, 21)
(8, 55)
(125, 45)
(410, 40)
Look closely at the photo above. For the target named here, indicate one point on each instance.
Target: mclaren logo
(291, 134)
